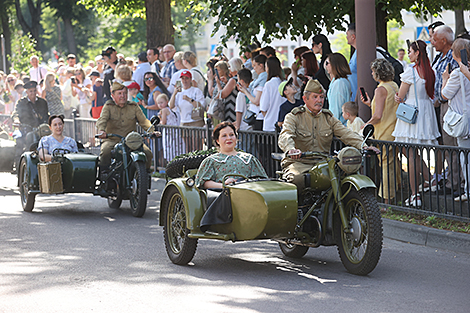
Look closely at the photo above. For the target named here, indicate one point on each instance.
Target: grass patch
(426, 220)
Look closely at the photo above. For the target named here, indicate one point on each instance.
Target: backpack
(395, 63)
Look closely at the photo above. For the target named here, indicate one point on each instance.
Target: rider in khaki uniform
(311, 128)
(119, 116)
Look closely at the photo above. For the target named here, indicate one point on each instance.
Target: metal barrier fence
(400, 169)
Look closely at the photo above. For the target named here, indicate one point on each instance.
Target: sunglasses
(326, 63)
(148, 78)
(10, 80)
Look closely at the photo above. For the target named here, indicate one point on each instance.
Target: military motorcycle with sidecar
(330, 205)
(127, 178)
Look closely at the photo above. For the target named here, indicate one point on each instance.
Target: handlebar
(311, 154)
(110, 135)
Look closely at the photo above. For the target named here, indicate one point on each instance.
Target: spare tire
(177, 167)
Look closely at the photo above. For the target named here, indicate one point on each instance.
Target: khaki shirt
(307, 132)
(122, 121)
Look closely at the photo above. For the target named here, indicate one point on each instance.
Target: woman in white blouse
(452, 91)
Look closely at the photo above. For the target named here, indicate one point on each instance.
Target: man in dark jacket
(31, 111)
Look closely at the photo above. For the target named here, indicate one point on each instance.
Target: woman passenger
(57, 140)
(227, 160)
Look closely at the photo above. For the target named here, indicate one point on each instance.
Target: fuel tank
(319, 176)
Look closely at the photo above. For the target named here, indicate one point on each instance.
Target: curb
(426, 236)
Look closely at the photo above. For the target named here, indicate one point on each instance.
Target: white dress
(173, 144)
(425, 130)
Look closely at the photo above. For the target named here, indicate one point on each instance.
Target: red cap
(133, 85)
(186, 73)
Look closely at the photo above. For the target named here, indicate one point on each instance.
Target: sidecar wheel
(139, 185)
(360, 247)
(27, 199)
(293, 251)
(179, 247)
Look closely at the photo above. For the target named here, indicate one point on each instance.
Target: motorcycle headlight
(350, 160)
(134, 140)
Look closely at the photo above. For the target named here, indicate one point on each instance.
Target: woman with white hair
(228, 74)
(190, 62)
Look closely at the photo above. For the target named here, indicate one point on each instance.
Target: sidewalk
(401, 231)
(426, 236)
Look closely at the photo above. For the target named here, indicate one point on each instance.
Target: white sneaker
(414, 200)
(461, 198)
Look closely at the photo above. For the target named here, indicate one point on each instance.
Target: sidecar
(73, 173)
(260, 209)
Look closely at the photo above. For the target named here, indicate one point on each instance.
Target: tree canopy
(293, 18)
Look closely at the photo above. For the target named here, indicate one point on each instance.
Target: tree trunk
(459, 22)
(159, 26)
(4, 18)
(69, 34)
(35, 12)
(381, 26)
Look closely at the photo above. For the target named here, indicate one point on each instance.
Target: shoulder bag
(455, 124)
(407, 112)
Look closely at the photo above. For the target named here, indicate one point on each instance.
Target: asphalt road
(74, 254)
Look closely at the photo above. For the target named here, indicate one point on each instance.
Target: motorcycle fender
(358, 181)
(32, 161)
(192, 202)
(138, 156)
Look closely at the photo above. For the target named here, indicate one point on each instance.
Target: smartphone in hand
(408, 43)
(463, 56)
(363, 93)
(217, 73)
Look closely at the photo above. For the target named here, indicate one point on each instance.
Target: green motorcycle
(127, 178)
(331, 204)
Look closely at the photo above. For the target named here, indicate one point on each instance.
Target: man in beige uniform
(311, 128)
(119, 116)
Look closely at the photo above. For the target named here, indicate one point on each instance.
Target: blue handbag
(406, 112)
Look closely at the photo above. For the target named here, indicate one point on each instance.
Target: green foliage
(23, 47)
(340, 44)
(244, 19)
(394, 42)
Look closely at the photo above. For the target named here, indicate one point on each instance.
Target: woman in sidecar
(55, 141)
(249, 210)
(227, 161)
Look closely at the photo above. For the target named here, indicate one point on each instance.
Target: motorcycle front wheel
(139, 185)
(360, 245)
(179, 247)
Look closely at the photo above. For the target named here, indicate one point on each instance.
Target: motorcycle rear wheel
(179, 247)
(360, 247)
(139, 185)
(27, 199)
(293, 251)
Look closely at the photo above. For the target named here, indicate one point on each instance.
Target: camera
(73, 80)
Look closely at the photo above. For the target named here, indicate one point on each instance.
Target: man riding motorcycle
(31, 111)
(119, 116)
(311, 128)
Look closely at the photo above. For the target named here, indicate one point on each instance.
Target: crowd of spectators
(169, 83)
